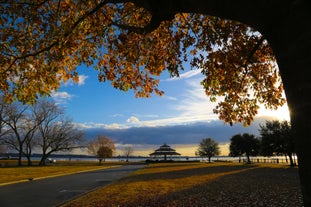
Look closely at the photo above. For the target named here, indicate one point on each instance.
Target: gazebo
(164, 150)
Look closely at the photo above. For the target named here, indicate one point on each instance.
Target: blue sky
(181, 118)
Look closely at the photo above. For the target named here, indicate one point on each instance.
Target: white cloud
(192, 106)
(81, 81)
(92, 125)
(116, 115)
(61, 97)
(195, 103)
(132, 120)
(174, 121)
(115, 126)
(185, 75)
(171, 98)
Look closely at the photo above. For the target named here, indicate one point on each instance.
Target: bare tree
(3, 149)
(23, 127)
(127, 151)
(55, 131)
(102, 147)
(17, 129)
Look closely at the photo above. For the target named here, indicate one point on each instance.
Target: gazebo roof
(164, 150)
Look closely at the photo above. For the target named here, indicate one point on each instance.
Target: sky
(181, 118)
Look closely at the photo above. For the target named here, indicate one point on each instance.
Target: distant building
(165, 151)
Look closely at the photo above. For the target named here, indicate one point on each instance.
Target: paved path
(53, 191)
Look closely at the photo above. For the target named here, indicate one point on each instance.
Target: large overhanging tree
(130, 42)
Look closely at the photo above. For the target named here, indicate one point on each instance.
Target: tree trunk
(20, 154)
(291, 43)
(43, 159)
(248, 159)
(291, 160)
(20, 158)
(29, 163)
(100, 161)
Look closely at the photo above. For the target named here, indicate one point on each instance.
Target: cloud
(194, 104)
(132, 119)
(177, 134)
(171, 98)
(116, 115)
(183, 137)
(182, 120)
(61, 97)
(185, 75)
(81, 81)
(100, 126)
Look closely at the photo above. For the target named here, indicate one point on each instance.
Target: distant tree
(104, 152)
(245, 144)
(127, 151)
(277, 139)
(102, 147)
(208, 148)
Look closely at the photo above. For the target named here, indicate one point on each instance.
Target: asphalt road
(54, 191)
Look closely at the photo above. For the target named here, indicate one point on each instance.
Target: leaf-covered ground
(200, 184)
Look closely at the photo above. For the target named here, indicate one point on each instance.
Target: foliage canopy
(277, 139)
(43, 43)
(244, 144)
(102, 147)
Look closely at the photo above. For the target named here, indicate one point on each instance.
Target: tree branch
(91, 12)
(250, 55)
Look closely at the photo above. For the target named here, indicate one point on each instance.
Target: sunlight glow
(282, 113)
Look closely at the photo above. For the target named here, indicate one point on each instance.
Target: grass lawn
(200, 184)
(11, 173)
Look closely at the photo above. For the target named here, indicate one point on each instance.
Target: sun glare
(282, 113)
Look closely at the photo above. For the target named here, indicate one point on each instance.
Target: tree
(42, 43)
(3, 149)
(238, 62)
(102, 147)
(43, 124)
(56, 132)
(17, 129)
(103, 153)
(245, 144)
(208, 148)
(276, 139)
(127, 151)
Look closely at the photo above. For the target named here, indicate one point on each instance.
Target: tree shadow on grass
(250, 187)
(172, 173)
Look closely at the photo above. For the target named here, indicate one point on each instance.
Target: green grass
(200, 184)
